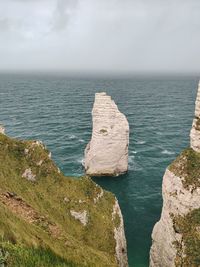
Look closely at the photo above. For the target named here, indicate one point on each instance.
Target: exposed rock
(181, 196)
(39, 163)
(2, 130)
(107, 152)
(119, 235)
(26, 151)
(99, 196)
(81, 216)
(38, 143)
(66, 199)
(177, 201)
(29, 175)
(195, 131)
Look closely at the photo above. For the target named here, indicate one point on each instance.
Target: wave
(72, 136)
(80, 160)
(140, 142)
(133, 165)
(81, 140)
(131, 159)
(167, 152)
(133, 152)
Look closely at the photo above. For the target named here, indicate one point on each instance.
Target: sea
(56, 109)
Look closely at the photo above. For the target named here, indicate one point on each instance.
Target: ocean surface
(57, 110)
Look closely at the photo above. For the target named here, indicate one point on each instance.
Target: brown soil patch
(18, 206)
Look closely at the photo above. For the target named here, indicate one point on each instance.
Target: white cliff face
(181, 196)
(195, 131)
(107, 152)
(176, 201)
(119, 235)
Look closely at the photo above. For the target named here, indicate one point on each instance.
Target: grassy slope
(187, 167)
(71, 244)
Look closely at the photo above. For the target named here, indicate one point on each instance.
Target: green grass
(21, 256)
(92, 245)
(187, 167)
(189, 227)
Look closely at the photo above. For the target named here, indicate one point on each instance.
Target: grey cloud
(5, 24)
(63, 12)
(100, 35)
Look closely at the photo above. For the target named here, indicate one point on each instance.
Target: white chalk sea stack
(195, 131)
(107, 151)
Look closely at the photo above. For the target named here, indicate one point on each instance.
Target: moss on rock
(187, 167)
(188, 248)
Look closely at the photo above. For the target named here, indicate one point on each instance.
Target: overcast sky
(100, 35)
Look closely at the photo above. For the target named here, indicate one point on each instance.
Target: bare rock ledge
(107, 151)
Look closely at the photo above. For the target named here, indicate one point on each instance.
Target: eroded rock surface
(119, 235)
(195, 131)
(80, 216)
(107, 152)
(2, 129)
(175, 239)
(177, 201)
(29, 175)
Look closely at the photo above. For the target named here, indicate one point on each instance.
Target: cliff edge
(176, 237)
(47, 219)
(107, 152)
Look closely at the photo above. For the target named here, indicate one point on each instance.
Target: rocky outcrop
(107, 152)
(175, 241)
(80, 216)
(2, 130)
(195, 131)
(29, 175)
(120, 248)
(177, 201)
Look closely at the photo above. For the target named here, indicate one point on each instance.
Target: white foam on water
(131, 159)
(167, 152)
(133, 152)
(81, 161)
(132, 165)
(72, 136)
(141, 142)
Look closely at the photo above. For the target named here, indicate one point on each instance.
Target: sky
(126, 36)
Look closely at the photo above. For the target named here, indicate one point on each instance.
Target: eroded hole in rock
(103, 131)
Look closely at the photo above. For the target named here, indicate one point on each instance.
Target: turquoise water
(57, 110)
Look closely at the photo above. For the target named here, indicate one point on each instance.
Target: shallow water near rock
(57, 110)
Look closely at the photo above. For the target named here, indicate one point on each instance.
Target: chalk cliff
(195, 131)
(107, 152)
(48, 219)
(176, 237)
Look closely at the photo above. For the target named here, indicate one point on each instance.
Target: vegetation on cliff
(188, 248)
(187, 167)
(36, 203)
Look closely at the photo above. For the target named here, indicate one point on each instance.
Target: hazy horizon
(127, 37)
